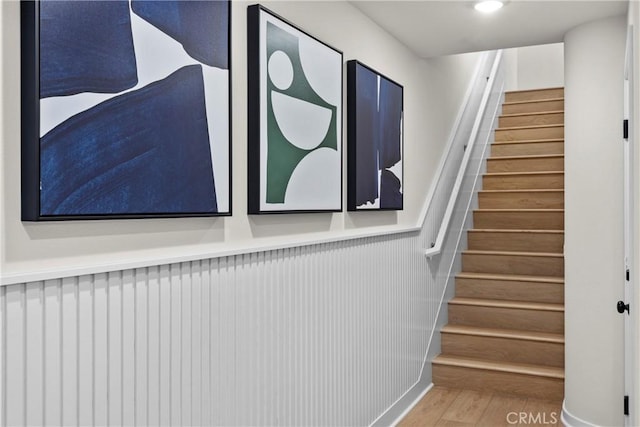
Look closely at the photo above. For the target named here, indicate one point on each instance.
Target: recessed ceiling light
(488, 6)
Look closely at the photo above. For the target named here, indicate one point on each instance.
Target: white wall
(511, 69)
(535, 67)
(594, 65)
(433, 92)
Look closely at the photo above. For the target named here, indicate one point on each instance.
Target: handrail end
(431, 252)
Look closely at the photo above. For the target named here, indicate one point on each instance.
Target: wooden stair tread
(504, 333)
(519, 305)
(537, 113)
(508, 230)
(533, 101)
(511, 277)
(542, 89)
(525, 190)
(519, 210)
(528, 141)
(548, 102)
(525, 157)
(531, 127)
(515, 368)
(513, 253)
(523, 173)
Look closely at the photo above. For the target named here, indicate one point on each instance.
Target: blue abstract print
(389, 123)
(375, 139)
(133, 109)
(367, 150)
(200, 26)
(86, 46)
(145, 151)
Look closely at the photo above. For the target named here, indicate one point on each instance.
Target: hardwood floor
(442, 407)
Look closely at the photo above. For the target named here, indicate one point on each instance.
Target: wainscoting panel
(318, 335)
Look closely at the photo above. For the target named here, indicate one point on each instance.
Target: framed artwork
(375, 140)
(295, 118)
(125, 109)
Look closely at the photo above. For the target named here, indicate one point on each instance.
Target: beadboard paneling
(321, 335)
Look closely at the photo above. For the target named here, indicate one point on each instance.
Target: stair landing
(444, 406)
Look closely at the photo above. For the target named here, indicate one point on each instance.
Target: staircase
(506, 321)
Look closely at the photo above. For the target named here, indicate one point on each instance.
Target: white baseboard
(401, 407)
(411, 406)
(570, 420)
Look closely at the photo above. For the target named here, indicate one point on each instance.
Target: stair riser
(510, 290)
(501, 382)
(531, 120)
(524, 182)
(507, 318)
(533, 107)
(534, 95)
(503, 349)
(527, 149)
(522, 220)
(529, 133)
(516, 242)
(547, 164)
(513, 264)
(521, 200)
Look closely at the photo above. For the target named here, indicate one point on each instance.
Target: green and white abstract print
(301, 148)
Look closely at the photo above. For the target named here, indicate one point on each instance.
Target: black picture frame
(155, 168)
(375, 140)
(285, 90)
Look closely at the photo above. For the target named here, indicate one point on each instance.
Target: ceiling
(443, 27)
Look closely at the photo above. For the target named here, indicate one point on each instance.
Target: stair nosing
(529, 141)
(523, 173)
(525, 190)
(528, 210)
(510, 277)
(533, 101)
(541, 89)
(487, 365)
(514, 334)
(513, 253)
(526, 157)
(515, 230)
(516, 305)
(534, 113)
(530, 127)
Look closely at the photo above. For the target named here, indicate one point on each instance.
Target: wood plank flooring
(443, 406)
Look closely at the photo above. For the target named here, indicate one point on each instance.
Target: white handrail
(444, 226)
